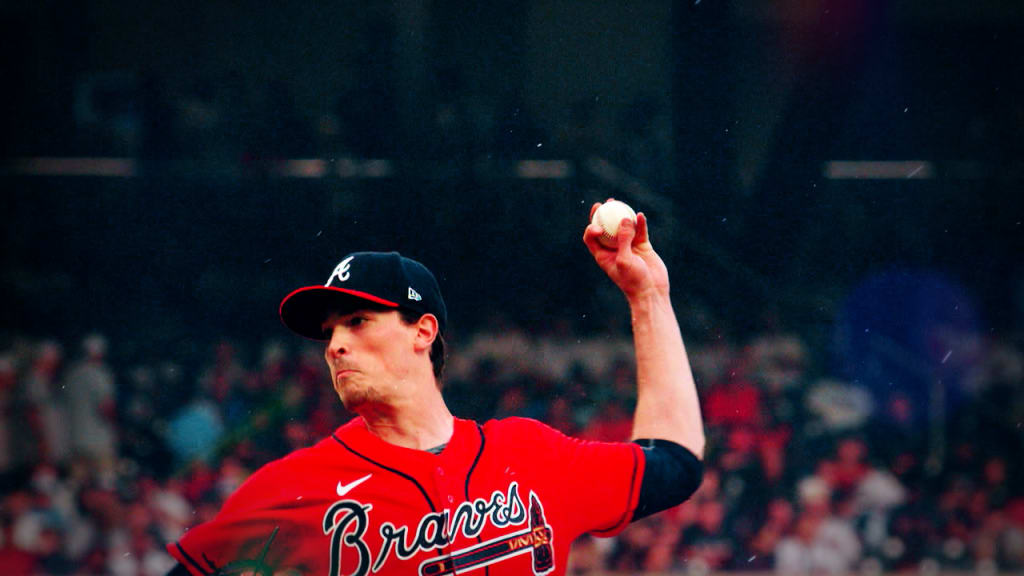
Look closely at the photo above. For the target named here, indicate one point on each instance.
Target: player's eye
(355, 321)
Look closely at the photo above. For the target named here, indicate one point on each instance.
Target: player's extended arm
(667, 405)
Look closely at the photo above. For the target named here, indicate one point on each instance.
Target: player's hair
(438, 350)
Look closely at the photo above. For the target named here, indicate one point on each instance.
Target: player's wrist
(650, 297)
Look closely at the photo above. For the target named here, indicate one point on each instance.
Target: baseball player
(406, 488)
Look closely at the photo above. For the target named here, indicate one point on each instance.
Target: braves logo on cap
(341, 271)
(381, 278)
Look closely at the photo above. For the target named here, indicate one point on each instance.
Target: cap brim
(304, 310)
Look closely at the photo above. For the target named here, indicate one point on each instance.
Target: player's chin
(351, 399)
(352, 394)
(350, 404)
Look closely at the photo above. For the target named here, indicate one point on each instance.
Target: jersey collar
(460, 453)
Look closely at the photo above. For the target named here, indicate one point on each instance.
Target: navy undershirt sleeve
(671, 474)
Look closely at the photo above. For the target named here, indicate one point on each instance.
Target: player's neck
(421, 422)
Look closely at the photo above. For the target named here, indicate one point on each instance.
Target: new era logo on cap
(360, 280)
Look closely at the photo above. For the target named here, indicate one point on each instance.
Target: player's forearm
(667, 404)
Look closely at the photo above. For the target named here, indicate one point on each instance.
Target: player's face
(370, 356)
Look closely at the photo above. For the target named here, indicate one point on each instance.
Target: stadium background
(834, 184)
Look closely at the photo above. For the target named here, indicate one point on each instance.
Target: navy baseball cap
(385, 279)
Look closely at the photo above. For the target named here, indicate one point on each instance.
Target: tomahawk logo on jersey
(504, 498)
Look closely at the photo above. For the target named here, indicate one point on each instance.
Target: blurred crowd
(104, 459)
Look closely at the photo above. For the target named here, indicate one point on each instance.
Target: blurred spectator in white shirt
(89, 389)
(836, 406)
(822, 543)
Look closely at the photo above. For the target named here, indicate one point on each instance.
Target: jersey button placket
(443, 485)
(443, 488)
(444, 494)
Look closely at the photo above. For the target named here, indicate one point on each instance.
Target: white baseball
(608, 216)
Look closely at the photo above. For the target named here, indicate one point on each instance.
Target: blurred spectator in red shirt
(734, 401)
(777, 524)
(8, 381)
(845, 472)
(47, 412)
(224, 375)
(14, 560)
(612, 423)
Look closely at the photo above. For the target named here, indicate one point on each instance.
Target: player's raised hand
(633, 265)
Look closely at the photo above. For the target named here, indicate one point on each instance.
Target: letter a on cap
(414, 295)
(341, 271)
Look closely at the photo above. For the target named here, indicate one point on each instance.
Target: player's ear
(427, 329)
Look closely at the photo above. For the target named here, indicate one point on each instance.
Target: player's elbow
(672, 473)
(697, 445)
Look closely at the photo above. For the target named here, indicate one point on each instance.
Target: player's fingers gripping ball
(609, 216)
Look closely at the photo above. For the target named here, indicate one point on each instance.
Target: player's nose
(337, 345)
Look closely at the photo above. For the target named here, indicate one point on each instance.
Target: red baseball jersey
(505, 498)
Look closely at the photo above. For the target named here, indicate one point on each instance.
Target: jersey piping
(191, 560)
(479, 453)
(628, 512)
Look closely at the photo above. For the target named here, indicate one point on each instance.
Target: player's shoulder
(297, 460)
(514, 423)
(519, 427)
(266, 482)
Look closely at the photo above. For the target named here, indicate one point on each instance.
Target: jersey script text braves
(504, 498)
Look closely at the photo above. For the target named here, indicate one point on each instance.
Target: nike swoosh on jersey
(346, 488)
